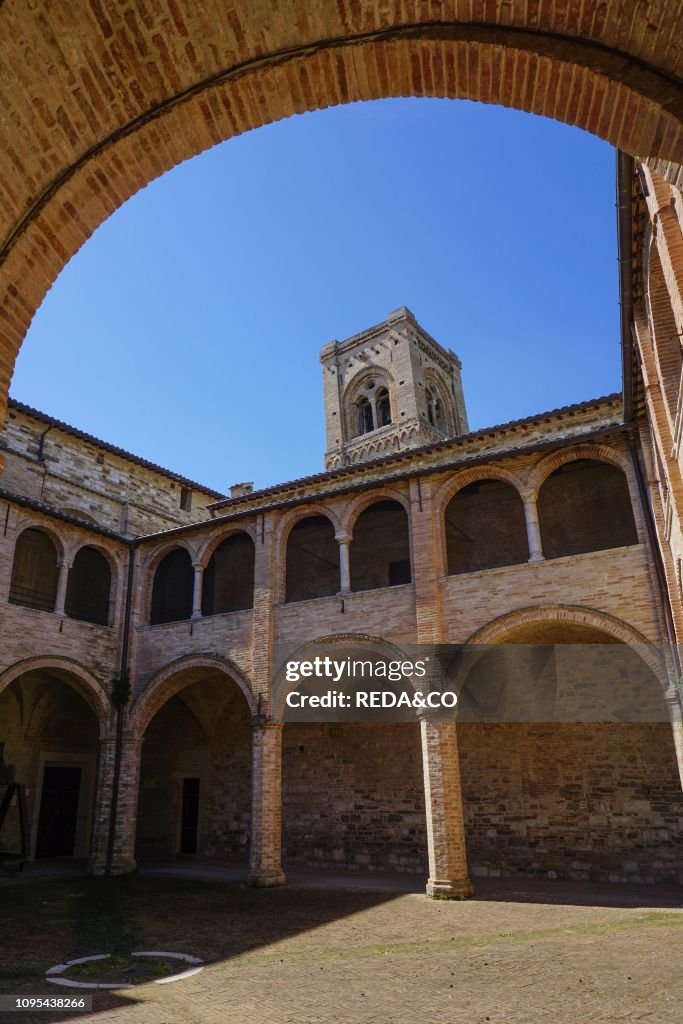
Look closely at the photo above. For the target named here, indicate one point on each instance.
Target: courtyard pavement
(355, 949)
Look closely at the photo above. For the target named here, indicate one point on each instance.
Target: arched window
(173, 587)
(35, 571)
(383, 408)
(585, 505)
(312, 560)
(485, 527)
(228, 584)
(435, 410)
(380, 549)
(89, 587)
(365, 424)
(372, 406)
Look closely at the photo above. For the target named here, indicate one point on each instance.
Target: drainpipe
(625, 174)
(120, 715)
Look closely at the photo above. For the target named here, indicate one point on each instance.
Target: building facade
(144, 620)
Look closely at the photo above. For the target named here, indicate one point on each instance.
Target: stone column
(197, 591)
(62, 581)
(373, 406)
(533, 530)
(448, 876)
(344, 542)
(265, 856)
(123, 858)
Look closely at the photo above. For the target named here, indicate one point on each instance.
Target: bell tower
(388, 389)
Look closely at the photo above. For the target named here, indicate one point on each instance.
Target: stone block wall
(572, 801)
(352, 796)
(71, 472)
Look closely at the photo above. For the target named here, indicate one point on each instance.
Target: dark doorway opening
(189, 819)
(58, 811)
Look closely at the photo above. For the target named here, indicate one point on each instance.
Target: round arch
(596, 452)
(609, 74)
(356, 508)
(450, 487)
(358, 641)
(204, 553)
(149, 567)
(32, 523)
(156, 555)
(174, 677)
(70, 672)
(285, 526)
(77, 577)
(577, 615)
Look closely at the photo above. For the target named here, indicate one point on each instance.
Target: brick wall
(352, 796)
(572, 801)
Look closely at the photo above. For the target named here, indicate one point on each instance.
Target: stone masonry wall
(572, 801)
(352, 796)
(120, 494)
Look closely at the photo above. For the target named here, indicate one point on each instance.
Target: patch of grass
(132, 970)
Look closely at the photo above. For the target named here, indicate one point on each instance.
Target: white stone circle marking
(53, 973)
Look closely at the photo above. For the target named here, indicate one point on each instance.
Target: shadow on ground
(207, 912)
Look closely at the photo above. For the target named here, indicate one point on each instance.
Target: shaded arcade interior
(568, 799)
(49, 745)
(195, 772)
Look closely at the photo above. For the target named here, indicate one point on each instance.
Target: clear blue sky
(187, 329)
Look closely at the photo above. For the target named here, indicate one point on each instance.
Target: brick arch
(32, 523)
(149, 566)
(147, 90)
(374, 645)
(450, 487)
(114, 560)
(207, 549)
(285, 527)
(597, 452)
(71, 673)
(356, 508)
(476, 474)
(174, 677)
(577, 615)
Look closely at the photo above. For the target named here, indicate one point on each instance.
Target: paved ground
(521, 952)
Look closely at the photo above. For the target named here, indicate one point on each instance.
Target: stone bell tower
(388, 389)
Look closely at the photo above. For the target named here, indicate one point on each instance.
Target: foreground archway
(80, 142)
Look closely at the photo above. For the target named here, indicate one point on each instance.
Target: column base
(266, 879)
(536, 558)
(445, 889)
